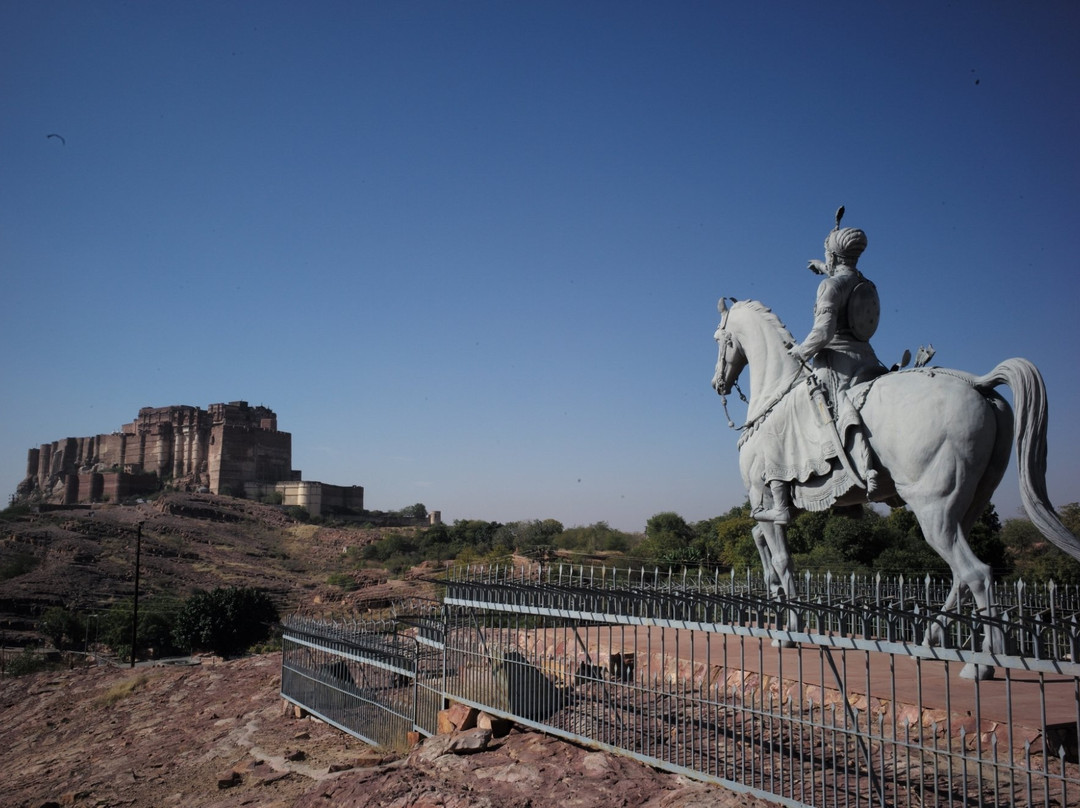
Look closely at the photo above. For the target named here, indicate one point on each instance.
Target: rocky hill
(84, 559)
(217, 734)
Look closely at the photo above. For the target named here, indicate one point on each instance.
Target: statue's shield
(864, 310)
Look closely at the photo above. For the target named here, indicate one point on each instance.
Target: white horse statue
(942, 438)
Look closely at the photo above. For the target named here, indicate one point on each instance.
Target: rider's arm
(826, 316)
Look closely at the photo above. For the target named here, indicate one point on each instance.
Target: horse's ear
(721, 306)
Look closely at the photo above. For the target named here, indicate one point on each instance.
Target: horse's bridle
(722, 363)
(722, 369)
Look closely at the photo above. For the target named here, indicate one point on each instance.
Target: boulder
(456, 718)
(499, 727)
(467, 743)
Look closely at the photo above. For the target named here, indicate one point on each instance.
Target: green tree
(986, 542)
(226, 621)
(904, 522)
(64, 629)
(524, 536)
(668, 539)
(396, 544)
(417, 511)
(904, 551)
(479, 535)
(732, 542)
(157, 619)
(1070, 517)
(847, 537)
(598, 537)
(807, 531)
(839, 541)
(154, 633)
(115, 629)
(1033, 558)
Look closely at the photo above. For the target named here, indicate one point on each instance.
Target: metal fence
(832, 700)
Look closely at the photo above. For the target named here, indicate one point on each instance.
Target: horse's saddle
(800, 442)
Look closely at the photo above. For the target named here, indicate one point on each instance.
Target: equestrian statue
(828, 424)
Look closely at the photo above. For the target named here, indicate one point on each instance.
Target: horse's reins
(735, 384)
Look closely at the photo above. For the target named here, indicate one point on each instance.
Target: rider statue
(846, 315)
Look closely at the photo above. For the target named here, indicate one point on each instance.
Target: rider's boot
(864, 463)
(780, 512)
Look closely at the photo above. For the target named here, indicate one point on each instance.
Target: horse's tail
(1030, 420)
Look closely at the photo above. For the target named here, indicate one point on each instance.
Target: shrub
(226, 621)
(16, 565)
(343, 580)
(298, 513)
(25, 663)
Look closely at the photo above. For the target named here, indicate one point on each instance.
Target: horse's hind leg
(997, 462)
(935, 629)
(944, 531)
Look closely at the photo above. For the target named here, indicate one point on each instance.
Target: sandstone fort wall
(224, 449)
(232, 449)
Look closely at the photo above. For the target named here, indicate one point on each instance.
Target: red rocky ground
(217, 734)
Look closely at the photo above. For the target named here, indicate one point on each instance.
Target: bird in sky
(60, 137)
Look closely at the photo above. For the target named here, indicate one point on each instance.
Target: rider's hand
(796, 351)
(817, 267)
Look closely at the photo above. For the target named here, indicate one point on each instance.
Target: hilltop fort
(232, 449)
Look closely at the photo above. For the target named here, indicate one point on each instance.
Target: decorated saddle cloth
(797, 442)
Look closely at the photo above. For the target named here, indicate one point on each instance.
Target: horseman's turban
(848, 243)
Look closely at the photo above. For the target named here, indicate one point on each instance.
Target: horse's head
(732, 359)
(750, 335)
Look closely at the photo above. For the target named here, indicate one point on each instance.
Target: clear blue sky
(470, 252)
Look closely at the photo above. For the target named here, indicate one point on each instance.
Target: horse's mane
(769, 317)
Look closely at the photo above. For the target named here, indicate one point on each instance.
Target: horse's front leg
(779, 573)
(772, 580)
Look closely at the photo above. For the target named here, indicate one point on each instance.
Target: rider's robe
(796, 441)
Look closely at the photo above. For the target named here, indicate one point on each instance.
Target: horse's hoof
(935, 635)
(978, 672)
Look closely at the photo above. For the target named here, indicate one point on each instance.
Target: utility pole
(135, 610)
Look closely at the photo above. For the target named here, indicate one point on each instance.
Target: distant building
(318, 498)
(232, 449)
